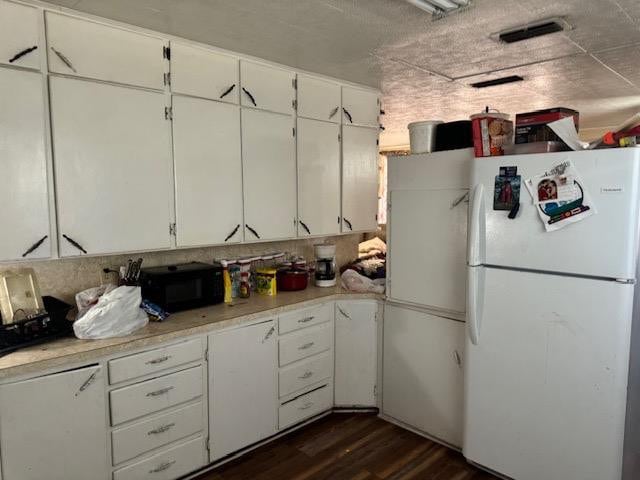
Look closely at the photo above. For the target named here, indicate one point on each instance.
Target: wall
(63, 278)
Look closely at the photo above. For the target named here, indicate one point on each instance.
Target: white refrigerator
(549, 324)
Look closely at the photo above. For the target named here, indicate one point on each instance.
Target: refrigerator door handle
(475, 302)
(476, 226)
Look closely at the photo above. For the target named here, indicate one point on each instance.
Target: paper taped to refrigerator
(560, 196)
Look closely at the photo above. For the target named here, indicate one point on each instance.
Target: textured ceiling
(424, 67)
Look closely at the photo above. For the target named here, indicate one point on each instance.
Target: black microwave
(182, 287)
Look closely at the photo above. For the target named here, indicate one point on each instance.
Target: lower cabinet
(243, 379)
(423, 378)
(54, 427)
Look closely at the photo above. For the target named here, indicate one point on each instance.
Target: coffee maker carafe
(325, 265)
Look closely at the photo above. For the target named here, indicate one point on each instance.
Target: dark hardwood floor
(345, 446)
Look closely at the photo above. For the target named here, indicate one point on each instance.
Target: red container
(491, 133)
(291, 279)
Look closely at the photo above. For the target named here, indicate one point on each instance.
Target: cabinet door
(359, 179)
(19, 44)
(23, 196)
(203, 73)
(243, 377)
(360, 107)
(113, 167)
(422, 372)
(318, 99)
(208, 172)
(356, 353)
(92, 50)
(269, 173)
(318, 178)
(55, 427)
(267, 88)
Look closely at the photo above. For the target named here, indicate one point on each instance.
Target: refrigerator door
(546, 375)
(603, 245)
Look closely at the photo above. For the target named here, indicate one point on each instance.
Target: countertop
(70, 350)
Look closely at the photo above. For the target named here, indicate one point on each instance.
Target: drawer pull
(162, 391)
(161, 429)
(306, 406)
(306, 375)
(162, 467)
(155, 361)
(306, 319)
(86, 384)
(306, 345)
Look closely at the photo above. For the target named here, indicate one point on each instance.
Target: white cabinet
(269, 175)
(356, 347)
(243, 395)
(24, 193)
(54, 427)
(113, 167)
(19, 44)
(318, 178)
(266, 87)
(208, 172)
(204, 73)
(422, 372)
(318, 99)
(93, 50)
(359, 179)
(360, 107)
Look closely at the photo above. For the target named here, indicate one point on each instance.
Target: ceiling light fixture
(497, 81)
(440, 8)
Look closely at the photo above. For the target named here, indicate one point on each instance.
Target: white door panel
(266, 87)
(113, 167)
(318, 99)
(208, 172)
(269, 175)
(23, 196)
(546, 383)
(19, 35)
(360, 107)
(318, 178)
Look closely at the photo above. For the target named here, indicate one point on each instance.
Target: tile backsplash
(63, 278)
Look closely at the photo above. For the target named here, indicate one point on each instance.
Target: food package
(492, 132)
(266, 281)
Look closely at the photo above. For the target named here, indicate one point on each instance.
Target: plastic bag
(88, 298)
(116, 314)
(354, 282)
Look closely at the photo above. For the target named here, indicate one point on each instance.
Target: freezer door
(546, 374)
(603, 245)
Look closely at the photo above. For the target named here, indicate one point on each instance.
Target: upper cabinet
(19, 43)
(113, 173)
(204, 73)
(92, 50)
(360, 107)
(24, 192)
(266, 87)
(359, 179)
(318, 99)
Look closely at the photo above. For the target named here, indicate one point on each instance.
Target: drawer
(300, 375)
(134, 440)
(154, 395)
(140, 364)
(306, 317)
(306, 406)
(305, 343)
(171, 463)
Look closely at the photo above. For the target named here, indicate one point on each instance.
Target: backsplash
(63, 278)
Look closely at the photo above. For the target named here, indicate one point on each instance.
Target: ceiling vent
(532, 30)
(497, 81)
(440, 8)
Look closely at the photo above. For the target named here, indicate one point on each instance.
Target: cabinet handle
(233, 232)
(252, 230)
(74, 243)
(306, 346)
(457, 358)
(382, 128)
(155, 361)
(344, 314)
(253, 100)
(348, 223)
(346, 112)
(22, 53)
(306, 375)
(162, 467)
(306, 319)
(228, 91)
(304, 225)
(86, 384)
(333, 112)
(64, 60)
(268, 335)
(306, 406)
(35, 246)
(162, 391)
(161, 429)
(459, 200)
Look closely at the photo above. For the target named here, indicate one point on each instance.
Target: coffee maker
(325, 274)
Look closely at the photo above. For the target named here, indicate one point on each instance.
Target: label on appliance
(611, 190)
